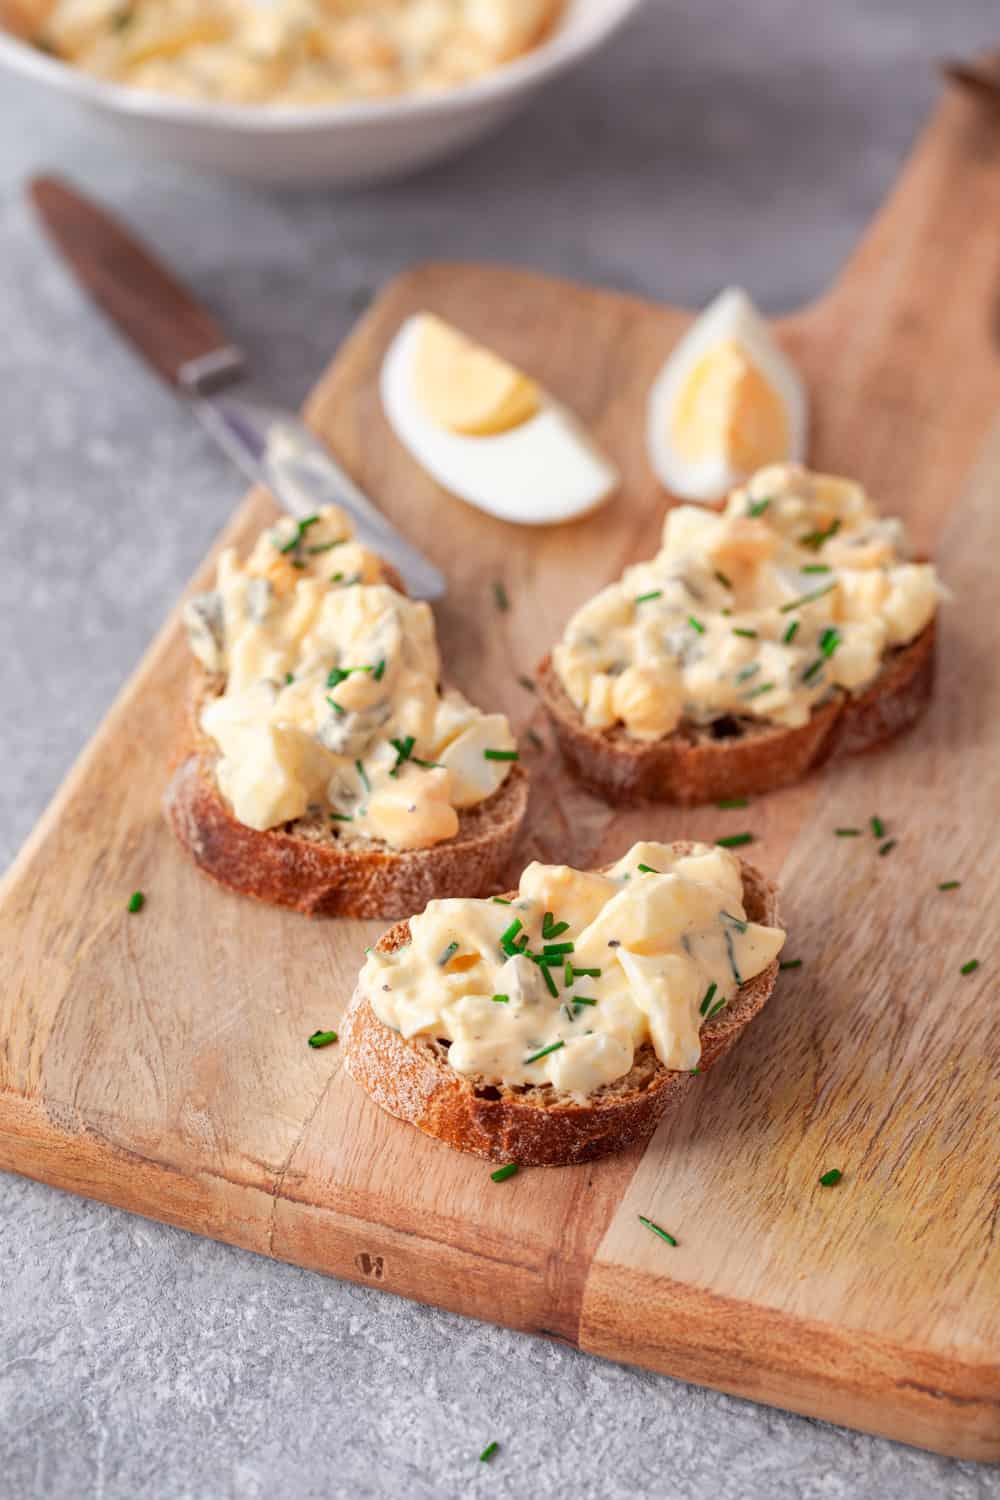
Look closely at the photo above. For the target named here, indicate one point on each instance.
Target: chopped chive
(877, 826)
(500, 900)
(567, 974)
(502, 1173)
(510, 933)
(723, 579)
(969, 967)
(364, 776)
(709, 997)
(300, 530)
(790, 963)
(887, 847)
(813, 668)
(696, 625)
(583, 1000)
(806, 598)
(289, 677)
(829, 641)
(490, 1448)
(719, 1005)
(759, 507)
(447, 955)
(736, 922)
(379, 671)
(136, 901)
(747, 672)
(337, 675)
(789, 634)
(815, 539)
(500, 596)
(734, 840)
(848, 833)
(663, 1233)
(336, 577)
(949, 885)
(500, 755)
(648, 870)
(544, 1052)
(403, 749)
(751, 635)
(322, 1038)
(551, 928)
(815, 568)
(325, 546)
(526, 683)
(729, 803)
(554, 950)
(338, 708)
(831, 1178)
(587, 973)
(342, 817)
(653, 594)
(764, 687)
(501, 999)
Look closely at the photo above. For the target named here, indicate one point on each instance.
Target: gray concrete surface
(713, 142)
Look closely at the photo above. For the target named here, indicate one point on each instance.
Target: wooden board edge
(838, 1375)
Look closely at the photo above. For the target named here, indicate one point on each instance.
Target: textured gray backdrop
(713, 142)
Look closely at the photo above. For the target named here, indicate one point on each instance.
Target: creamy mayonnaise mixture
(563, 984)
(292, 52)
(331, 706)
(760, 612)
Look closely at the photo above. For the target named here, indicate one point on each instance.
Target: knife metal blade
(188, 348)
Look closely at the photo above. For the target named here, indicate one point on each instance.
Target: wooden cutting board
(159, 1061)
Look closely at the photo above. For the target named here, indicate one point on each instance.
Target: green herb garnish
(696, 625)
(136, 901)
(544, 1051)
(848, 833)
(500, 900)
(737, 922)
(813, 668)
(338, 708)
(663, 1233)
(336, 577)
(364, 776)
(337, 675)
(804, 599)
(708, 998)
(325, 546)
(751, 635)
(490, 1448)
(379, 671)
(734, 840)
(587, 973)
(342, 817)
(653, 594)
(723, 579)
(759, 507)
(403, 749)
(790, 963)
(746, 673)
(887, 847)
(500, 1175)
(815, 568)
(719, 1004)
(831, 1178)
(970, 967)
(556, 950)
(764, 687)
(501, 755)
(552, 929)
(815, 539)
(501, 999)
(789, 634)
(583, 1000)
(447, 955)
(300, 530)
(550, 983)
(729, 803)
(949, 885)
(289, 677)
(322, 1038)
(829, 641)
(648, 870)
(877, 827)
(509, 934)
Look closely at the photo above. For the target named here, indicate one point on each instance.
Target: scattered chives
(500, 595)
(508, 936)
(336, 577)
(322, 1038)
(887, 847)
(789, 634)
(970, 967)
(877, 827)
(746, 673)
(790, 963)
(829, 641)
(723, 579)
(709, 997)
(502, 1173)
(848, 833)
(379, 671)
(831, 1178)
(342, 817)
(544, 1051)
(501, 999)
(759, 507)
(813, 668)
(338, 708)
(447, 955)
(751, 635)
(364, 776)
(550, 985)
(136, 901)
(663, 1233)
(738, 922)
(300, 530)
(289, 677)
(555, 950)
(815, 539)
(728, 803)
(806, 598)
(719, 1005)
(653, 594)
(403, 749)
(765, 687)
(488, 1451)
(696, 625)
(587, 973)
(815, 568)
(734, 840)
(949, 885)
(648, 870)
(551, 928)
(501, 755)
(325, 547)
(500, 900)
(584, 1000)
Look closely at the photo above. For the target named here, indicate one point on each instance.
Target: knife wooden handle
(178, 337)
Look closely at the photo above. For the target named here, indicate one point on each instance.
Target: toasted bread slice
(307, 866)
(735, 757)
(536, 1126)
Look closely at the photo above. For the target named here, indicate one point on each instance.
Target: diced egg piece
(726, 402)
(486, 431)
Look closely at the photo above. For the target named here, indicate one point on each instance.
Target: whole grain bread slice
(307, 865)
(736, 757)
(534, 1125)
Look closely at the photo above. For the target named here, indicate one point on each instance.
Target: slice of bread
(534, 1125)
(307, 866)
(735, 757)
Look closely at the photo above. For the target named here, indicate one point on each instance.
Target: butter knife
(188, 348)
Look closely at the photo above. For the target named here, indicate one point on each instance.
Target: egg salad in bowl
(798, 590)
(328, 704)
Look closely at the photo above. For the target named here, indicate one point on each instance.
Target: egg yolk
(466, 388)
(726, 405)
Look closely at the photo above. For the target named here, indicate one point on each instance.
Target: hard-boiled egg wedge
(486, 431)
(725, 403)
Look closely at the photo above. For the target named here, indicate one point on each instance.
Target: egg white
(730, 316)
(542, 472)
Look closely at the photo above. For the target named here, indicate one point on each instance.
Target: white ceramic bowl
(334, 144)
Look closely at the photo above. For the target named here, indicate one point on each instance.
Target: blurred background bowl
(338, 144)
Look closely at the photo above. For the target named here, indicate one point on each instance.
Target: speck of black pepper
(614, 942)
(387, 987)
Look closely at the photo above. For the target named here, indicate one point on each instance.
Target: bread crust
(692, 766)
(536, 1127)
(320, 876)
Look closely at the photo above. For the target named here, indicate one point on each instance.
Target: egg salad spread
(291, 52)
(563, 984)
(331, 706)
(797, 589)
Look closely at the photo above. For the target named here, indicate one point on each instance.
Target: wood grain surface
(159, 1061)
